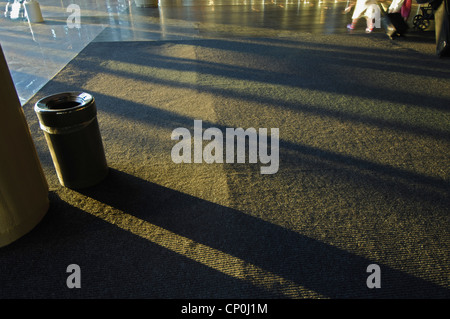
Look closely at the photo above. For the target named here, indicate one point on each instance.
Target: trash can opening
(64, 101)
(62, 104)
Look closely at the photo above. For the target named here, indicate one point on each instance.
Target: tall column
(23, 186)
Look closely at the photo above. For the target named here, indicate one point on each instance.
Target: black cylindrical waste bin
(69, 122)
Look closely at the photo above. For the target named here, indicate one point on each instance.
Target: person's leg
(352, 25)
(369, 25)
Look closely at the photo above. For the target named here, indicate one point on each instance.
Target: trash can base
(84, 183)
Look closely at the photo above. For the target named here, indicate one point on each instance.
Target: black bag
(442, 29)
(393, 23)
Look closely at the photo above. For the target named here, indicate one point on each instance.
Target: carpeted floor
(363, 174)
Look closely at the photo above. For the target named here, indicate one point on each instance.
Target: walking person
(362, 9)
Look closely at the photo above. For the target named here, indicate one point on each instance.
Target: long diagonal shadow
(431, 189)
(164, 118)
(88, 60)
(89, 64)
(318, 63)
(314, 265)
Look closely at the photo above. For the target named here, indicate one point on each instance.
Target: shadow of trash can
(69, 122)
(24, 190)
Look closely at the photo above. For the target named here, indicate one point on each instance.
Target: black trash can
(69, 122)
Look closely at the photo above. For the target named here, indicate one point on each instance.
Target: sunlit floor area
(353, 128)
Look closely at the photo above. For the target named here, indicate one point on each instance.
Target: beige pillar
(23, 187)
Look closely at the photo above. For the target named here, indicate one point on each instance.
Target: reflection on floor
(36, 52)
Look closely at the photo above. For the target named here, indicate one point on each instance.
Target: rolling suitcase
(393, 23)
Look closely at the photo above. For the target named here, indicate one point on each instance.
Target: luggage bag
(394, 25)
